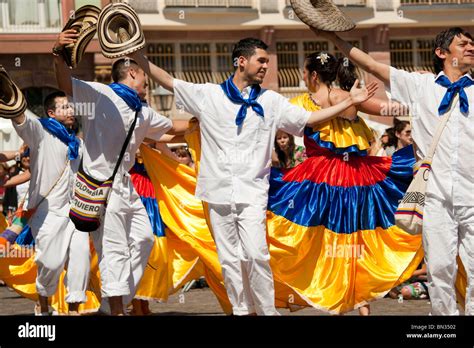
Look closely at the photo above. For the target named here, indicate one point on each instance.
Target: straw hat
(322, 15)
(119, 30)
(84, 22)
(12, 100)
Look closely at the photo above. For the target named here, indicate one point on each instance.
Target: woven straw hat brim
(82, 43)
(12, 100)
(119, 31)
(322, 15)
(85, 23)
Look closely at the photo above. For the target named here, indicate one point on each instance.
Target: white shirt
(452, 176)
(235, 161)
(106, 121)
(22, 189)
(48, 158)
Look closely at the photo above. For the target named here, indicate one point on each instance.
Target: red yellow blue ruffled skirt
(331, 226)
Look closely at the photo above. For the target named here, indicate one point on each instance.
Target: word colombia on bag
(89, 202)
(91, 195)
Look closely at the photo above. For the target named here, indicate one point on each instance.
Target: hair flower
(323, 57)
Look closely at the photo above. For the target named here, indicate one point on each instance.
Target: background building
(193, 39)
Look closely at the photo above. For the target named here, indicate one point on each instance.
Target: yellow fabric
(183, 214)
(461, 283)
(156, 279)
(19, 273)
(341, 132)
(171, 265)
(338, 272)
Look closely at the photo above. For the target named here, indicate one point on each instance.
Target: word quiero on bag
(87, 207)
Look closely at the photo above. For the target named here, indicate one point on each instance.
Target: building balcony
(193, 11)
(344, 3)
(210, 3)
(457, 11)
(434, 2)
(30, 29)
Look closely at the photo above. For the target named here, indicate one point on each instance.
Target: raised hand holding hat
(76, 35)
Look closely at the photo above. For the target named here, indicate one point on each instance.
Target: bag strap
(415, 148)
(440, 129)
(125, 145)
(47, 194)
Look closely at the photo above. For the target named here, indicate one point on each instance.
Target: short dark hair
(246, 48)
(50, 101)
(443, 40)
(120, 68)
(399, 126)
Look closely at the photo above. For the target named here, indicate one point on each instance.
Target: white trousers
(239, 231)
(447, 231)
(124, 241)
(57, 242)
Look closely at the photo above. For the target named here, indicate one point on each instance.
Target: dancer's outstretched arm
(155, 73)
(383, 107)
(17, 179)
(356, 96)
(169, 139)
(63, 73)
(359, 57)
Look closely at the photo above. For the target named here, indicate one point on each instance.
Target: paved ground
(203, 302)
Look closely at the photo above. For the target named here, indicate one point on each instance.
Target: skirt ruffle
(331, 228)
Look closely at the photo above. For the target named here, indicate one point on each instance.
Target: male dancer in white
(125, 238)
(54, 158)
(238, 123)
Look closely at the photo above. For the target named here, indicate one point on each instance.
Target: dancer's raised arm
(157, 74)
(359, 57)
(63, 72)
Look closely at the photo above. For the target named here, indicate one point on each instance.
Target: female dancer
(331, 217)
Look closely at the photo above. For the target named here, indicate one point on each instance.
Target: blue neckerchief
(67, 137)
(129, 95)
(233, 93)
(453, 88)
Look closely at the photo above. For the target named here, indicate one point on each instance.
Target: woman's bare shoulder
(337, 95)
